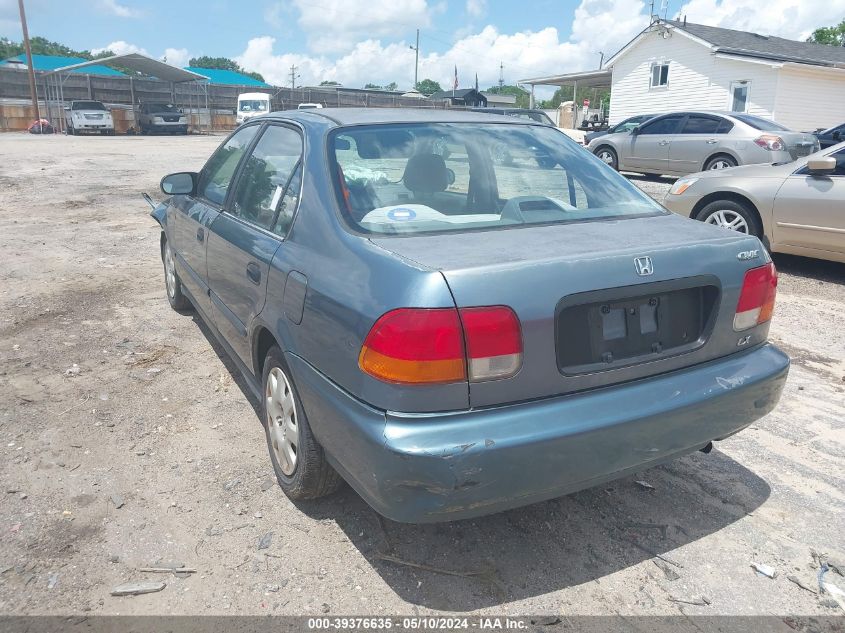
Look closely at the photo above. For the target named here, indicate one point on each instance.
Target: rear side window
(666, 125)
(218, 172)
(265, 176)
(701, 125)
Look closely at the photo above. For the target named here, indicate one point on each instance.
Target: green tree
(8, 48)
(330, 83)
(373, 87)
(830, 35)
(428, 87)
(391, 86)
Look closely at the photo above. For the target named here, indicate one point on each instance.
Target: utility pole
(601, 60)
(416, 50)
(501, 75)
(293, 76)
(32, 92)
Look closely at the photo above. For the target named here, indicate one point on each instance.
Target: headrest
(426, 173)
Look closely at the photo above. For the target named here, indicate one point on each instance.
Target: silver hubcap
(720, 164)
(728, 219)
(169, 271)
(282, 421)
(606, 157)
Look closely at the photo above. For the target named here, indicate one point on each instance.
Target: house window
(739, 96)
(659, 75)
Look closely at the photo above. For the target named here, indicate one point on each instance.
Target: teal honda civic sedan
(455, 336)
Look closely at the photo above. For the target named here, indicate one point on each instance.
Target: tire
(172, 283)
(733, 215)
(298, 459)
(71, 131)
(720, 161)
(608, 156)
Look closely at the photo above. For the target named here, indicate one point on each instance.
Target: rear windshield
(163, 107)
(87, 105)
(253, 105)
(759, 123)
(421, 178)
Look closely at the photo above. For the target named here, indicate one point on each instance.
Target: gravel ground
(128, 441)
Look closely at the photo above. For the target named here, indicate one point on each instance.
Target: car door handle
(200, 234)
(253, 272)
(711, 141)
(663, 143)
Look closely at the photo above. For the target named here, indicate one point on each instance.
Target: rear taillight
(771, 142)
(423, 345)
(757, 298)
(494, 342)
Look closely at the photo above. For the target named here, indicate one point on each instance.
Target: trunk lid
(799, 144)
(574, 286)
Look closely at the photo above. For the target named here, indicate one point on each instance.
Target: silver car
(796, 208)
(687, 142)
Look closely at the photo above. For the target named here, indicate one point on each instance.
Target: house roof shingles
(769, 47)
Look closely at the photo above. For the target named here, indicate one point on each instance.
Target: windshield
(759, 123)
(87, 105)
(419, 178)
(253, 105)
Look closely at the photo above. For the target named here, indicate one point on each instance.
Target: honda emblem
(644, 266)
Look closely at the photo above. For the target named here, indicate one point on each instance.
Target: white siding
(698, 80)
(810, 98)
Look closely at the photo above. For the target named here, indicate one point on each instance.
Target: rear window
(759, 123)
(87, 105)
(421, 178)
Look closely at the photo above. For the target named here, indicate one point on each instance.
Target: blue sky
(360, 41)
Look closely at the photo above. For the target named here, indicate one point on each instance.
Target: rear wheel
(298, 460)
(733, 215)
(178, 301)
(608, 157)
(720, 162)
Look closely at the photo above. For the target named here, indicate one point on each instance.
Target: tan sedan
(796, 207)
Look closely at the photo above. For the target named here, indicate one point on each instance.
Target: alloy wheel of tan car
(728, 219)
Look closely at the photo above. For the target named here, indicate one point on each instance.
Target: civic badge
(644, 266)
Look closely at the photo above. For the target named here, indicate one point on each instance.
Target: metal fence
(120, 90)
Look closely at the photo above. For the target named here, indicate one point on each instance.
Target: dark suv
(161, 117)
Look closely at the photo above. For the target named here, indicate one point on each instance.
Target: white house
(673, 65)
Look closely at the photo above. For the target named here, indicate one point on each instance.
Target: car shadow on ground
(809, 268)
(526, 552)
(532, 551)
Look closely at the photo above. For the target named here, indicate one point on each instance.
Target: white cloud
(792, 19)
(120, 10)
(336, 25)
(176, 56)
(599, 25)
(476, 8)
(120, 48)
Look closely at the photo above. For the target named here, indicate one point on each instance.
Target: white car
(251, 105)
(88, 116)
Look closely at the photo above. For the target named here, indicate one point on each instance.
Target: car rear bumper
(440, 467)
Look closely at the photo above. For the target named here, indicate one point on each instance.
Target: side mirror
(821, 166)
(182, 183)
(836, 135)
(635, 130)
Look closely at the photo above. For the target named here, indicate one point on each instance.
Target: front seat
(426, 174)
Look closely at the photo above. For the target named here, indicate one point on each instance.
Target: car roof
(364, 116)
